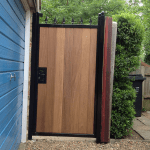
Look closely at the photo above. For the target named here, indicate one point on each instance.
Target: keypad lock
(42, 75)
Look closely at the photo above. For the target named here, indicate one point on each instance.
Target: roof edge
(34, 5)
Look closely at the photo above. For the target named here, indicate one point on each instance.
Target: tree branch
(49, 13)
(115, 7)
(104, 2)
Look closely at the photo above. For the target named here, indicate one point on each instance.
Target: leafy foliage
(80, 8)
(129, 38)
(143, 109)
(146, 22)
(122, 110)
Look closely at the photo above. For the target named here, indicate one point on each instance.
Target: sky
(140, 4)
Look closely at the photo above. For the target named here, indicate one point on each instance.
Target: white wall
(26, 75)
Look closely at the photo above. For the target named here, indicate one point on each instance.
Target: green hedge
(129, 37)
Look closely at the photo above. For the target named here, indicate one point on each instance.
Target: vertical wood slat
(91, 87)
(76, 67)
(67, 94)
(83, 82)
(58, 90)
(43, 47)
(69, 103)
(42, 88)
(51, 54)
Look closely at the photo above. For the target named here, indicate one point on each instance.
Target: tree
(144, 17)
(146, 23)
(80, 8)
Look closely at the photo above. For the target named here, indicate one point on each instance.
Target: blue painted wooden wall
(12, 47)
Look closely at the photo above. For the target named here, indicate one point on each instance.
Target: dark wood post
(105, 116)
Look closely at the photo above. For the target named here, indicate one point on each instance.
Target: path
(142, 125)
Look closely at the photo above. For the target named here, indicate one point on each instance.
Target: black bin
(137, 84)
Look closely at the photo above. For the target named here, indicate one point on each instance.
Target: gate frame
(98, 76)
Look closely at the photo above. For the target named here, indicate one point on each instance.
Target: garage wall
(12, 45)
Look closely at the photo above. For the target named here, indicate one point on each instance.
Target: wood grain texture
(91, 80)
(70, 59)
(49, 107)
(76, 67)
(108, 73)
(58, 90)
(43, 47)
(67, 87)
(103, 118)
(42, 88)
(84, 81)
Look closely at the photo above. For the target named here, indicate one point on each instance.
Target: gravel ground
(46, 144)
(134, 141)
(134, 136)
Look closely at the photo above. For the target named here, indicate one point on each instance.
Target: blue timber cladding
(12, 48)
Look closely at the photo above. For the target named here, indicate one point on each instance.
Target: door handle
(11, 76)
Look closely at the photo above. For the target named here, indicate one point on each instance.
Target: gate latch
(42, 74)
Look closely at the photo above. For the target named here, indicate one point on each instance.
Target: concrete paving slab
(142, 127)
(144, 120)
(147, 115)
(144, 134)
(137, 123)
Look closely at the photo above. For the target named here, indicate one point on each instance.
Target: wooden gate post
(105, 138)
(104, 76)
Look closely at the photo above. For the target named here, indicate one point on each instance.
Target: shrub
(129, 37)
(143, 109)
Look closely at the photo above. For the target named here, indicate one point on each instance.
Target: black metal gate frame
(34, 76)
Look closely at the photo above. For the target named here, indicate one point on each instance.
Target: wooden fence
(144, 69)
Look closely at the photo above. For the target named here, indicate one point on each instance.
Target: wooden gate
(66, 102)
(66, 79)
